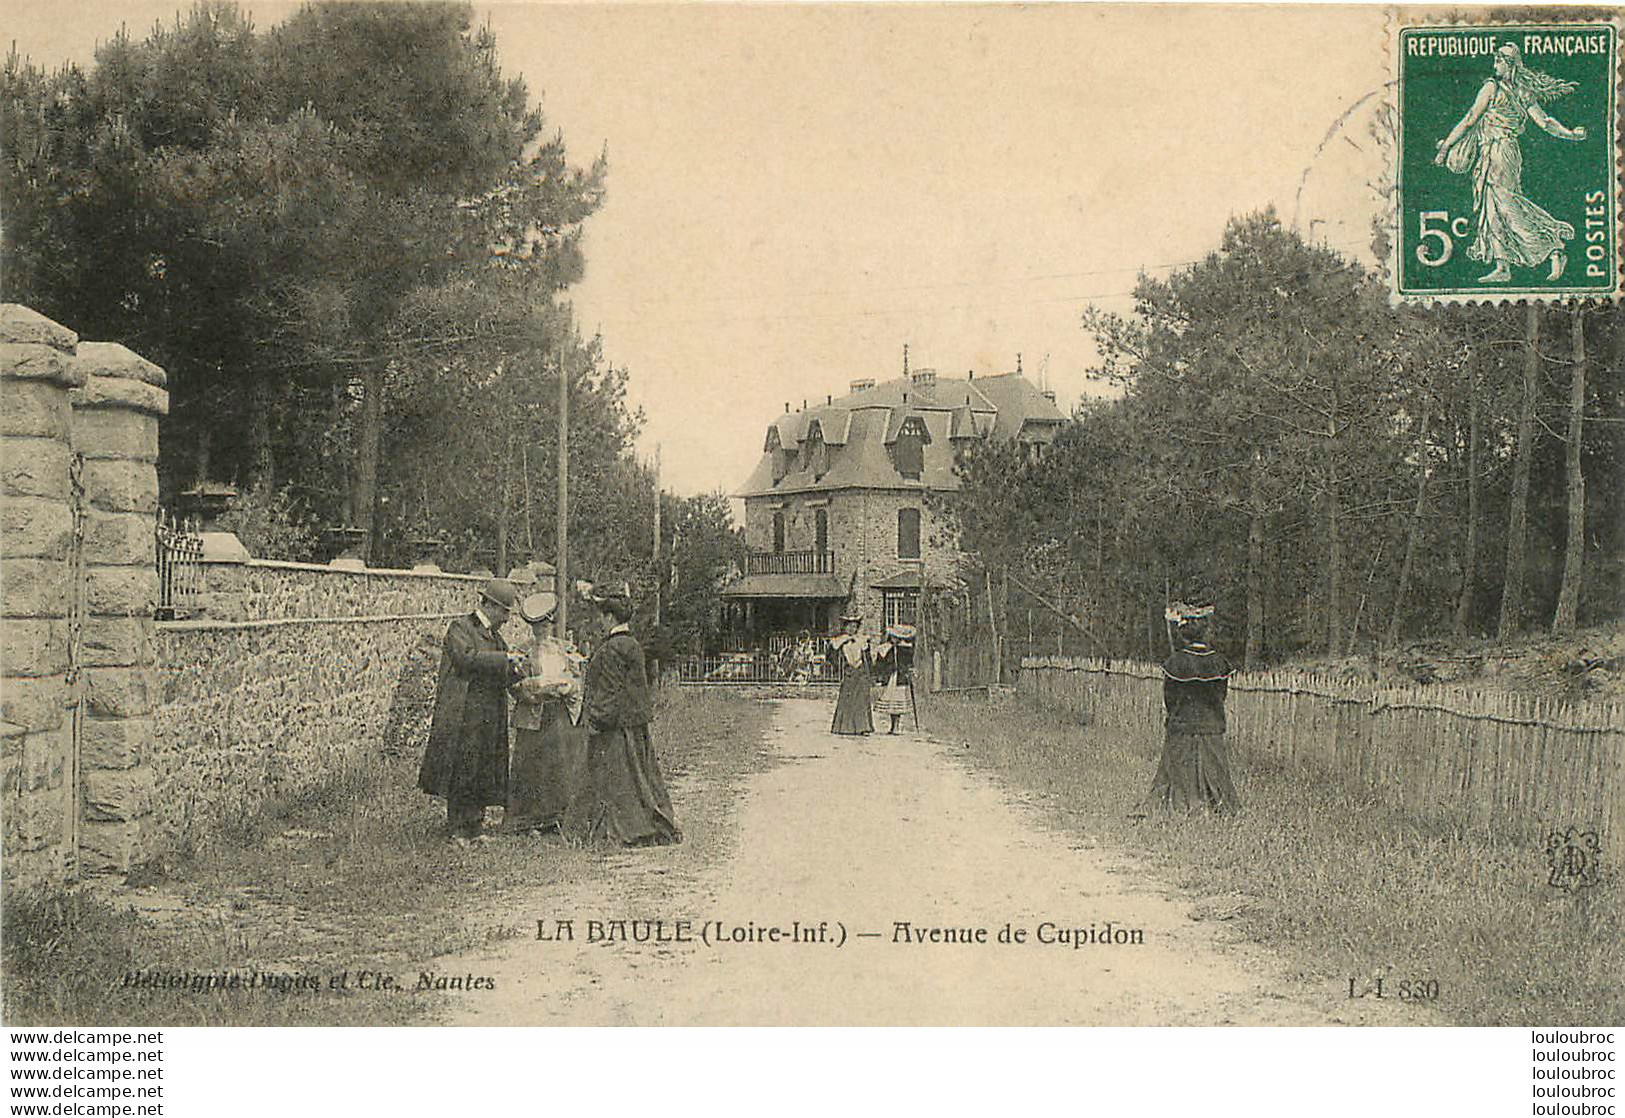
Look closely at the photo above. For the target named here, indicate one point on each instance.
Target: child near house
(894, 660)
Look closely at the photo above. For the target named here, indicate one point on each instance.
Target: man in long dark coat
(466, 761)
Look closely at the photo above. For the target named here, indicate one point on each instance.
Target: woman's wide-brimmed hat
(852, 618)
(539, 606)
(1180, 612)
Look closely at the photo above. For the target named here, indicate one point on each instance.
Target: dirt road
(854, 837)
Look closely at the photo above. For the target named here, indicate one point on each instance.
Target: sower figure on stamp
(466, 761)
(548, 746)
(626, 801)
(1195, 768)
(1510, 228)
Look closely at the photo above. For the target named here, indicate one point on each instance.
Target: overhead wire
(890, 312)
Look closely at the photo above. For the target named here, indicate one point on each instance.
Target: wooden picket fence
(1481, 759)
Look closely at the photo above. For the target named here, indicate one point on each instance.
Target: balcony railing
(790, 563)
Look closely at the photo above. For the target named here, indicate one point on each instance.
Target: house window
(908, 533)
(900, 607)
(778, 533)
(821, 529)
(908, 452)
(781, 458)
(814, 454)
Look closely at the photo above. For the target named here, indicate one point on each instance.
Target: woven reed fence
(1510, 763)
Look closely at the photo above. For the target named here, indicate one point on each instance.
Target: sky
(796, 192)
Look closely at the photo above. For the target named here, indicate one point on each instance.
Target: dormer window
(908, 451)
(780, 456)
(814, 452)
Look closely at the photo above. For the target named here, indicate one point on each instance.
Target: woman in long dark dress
(856, 662)
(625, 801)
(1195, 767)
(549, 748)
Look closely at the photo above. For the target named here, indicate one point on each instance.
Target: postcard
(813, 515)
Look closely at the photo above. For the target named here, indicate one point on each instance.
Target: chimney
(971, 375)
(862, 385)
(828, 400)
(924, 378)
(787, 407)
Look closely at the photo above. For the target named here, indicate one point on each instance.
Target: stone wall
(299, 671)
(115, 438)
(80, 444)
(37, 370)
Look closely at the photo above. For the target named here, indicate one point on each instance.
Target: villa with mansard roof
(836, 519)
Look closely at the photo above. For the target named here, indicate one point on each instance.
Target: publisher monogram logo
(1575, 857)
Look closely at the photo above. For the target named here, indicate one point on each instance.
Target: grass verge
(353, 877)
(1341, 885)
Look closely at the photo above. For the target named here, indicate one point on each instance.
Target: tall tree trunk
(262, 464)
(1469, 563)
(524, 476)
(1255, 566)
(502, 507)
(364, 483)
(1334, 533)
(1568, 597)
(1412, 537)
(1004, 619)
(1359, 609)
(200, 465)
(993, 629)
(1518, 520)
(561, 511)
(1334, 565)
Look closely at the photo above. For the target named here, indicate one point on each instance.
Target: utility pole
(561, 562)
(655, 555)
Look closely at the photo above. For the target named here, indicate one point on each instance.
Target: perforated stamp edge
(1403, 19)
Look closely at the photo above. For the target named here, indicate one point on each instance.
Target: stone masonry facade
(80, 491)
(863, 535)
(38, 365)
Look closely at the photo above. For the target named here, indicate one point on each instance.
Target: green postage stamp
(1508, 161)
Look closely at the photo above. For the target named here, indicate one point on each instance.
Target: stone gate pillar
(37, 369)
(115, 434)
